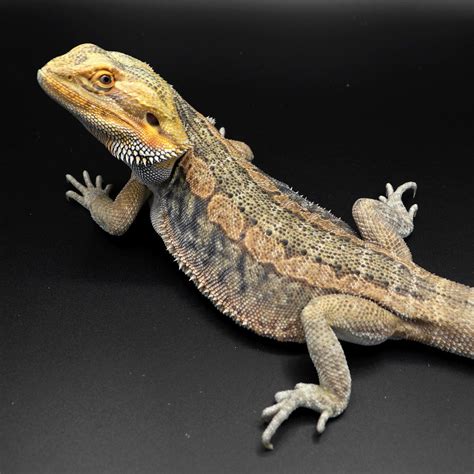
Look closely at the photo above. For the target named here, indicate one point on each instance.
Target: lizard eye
(103, 80)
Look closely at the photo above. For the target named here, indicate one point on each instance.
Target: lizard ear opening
(152, 120)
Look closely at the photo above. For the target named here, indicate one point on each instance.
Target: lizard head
(120, 100)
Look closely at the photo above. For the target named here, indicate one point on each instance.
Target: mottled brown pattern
(198, 175)
(329, 258)
(260, 179)
(286, 203)
(263, 248)
(238, 284)
(223, 211)
(320, 275)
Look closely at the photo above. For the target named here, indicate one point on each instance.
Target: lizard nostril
(152, 120)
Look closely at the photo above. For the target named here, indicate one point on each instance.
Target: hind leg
(387, 222)
(325, 319)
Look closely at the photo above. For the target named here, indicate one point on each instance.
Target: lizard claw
(88, 193)
(400, 216)
(389, 189)
(397, 193)
(412, 211)
(280, 396)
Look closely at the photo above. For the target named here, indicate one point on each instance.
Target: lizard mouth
(117, 134)
(133, 151)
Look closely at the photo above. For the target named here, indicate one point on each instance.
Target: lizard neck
(207, 143)
(155, 175)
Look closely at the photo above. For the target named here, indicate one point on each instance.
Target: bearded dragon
(274, 262)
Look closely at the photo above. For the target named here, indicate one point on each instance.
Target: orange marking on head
(221, 210)
(160, 138)
(154, 139)
(198, 175)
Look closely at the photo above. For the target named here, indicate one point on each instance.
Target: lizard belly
(251, 293)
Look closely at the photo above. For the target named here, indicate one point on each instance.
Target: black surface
(111, 361)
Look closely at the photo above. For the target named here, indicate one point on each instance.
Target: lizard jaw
(135, 152)
(119, 139)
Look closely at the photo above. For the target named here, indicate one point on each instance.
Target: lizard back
(260, 251)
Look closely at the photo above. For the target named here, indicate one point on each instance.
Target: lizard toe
(303, 395)
(87, 193)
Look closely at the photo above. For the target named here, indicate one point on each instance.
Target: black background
(111, 361)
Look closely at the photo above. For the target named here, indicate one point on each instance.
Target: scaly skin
(274, 262)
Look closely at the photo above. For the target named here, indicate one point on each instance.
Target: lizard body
(267, 257)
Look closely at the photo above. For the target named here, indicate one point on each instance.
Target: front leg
(113, 215)
(387, 222)
(325, 319)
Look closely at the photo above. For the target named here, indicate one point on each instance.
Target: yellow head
(120, 100)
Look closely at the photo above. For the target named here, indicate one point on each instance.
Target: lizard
(274, 262)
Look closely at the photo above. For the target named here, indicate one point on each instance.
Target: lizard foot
(88, 193)
(212, 121)
(398, 212)
(303, 395)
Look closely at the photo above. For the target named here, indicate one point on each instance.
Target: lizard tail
(446, 317)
